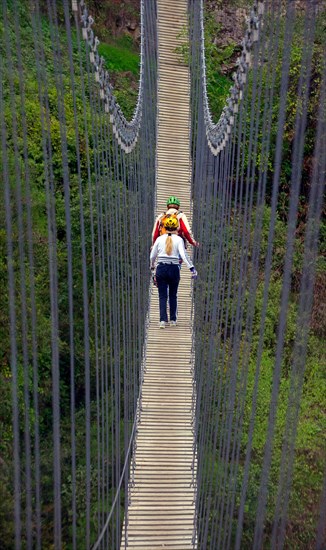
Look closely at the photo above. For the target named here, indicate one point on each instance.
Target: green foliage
(123, 65)
(309, 458)
(308, 468)
(218, 85)
(92, 188)
(126, 93)
(182, 50)
(293, 109)
(120, 58)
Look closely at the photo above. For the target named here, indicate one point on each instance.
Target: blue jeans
(168, 277)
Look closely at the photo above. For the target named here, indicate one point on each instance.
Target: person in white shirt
(168, 249)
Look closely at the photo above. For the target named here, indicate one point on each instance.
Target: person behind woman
(167, 249)
(184, 231)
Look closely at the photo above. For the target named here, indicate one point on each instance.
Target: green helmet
(173, 200)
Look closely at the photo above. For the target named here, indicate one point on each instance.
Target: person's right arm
(156, 229)
(153, 254)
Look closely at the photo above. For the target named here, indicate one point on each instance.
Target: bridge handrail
(125, 131)
(218, 134)
(99, 540)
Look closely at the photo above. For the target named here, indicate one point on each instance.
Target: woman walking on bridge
(168, 249)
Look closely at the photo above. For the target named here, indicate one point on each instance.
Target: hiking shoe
(162, 324)
(173, 323)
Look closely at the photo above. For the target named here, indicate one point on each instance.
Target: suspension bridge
(117, 434)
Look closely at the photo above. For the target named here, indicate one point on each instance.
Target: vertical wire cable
(84, 267)
(297, 158)
(114, 322)
(12, 319)
(93, 178)
(95, 191)
(116, 337)
(106, 143)
(124, 256)
(111, 319)
(234, 399)
(22, 286)
(107, 216)
(305, 301)
(54, 31)
(53, 269)
(98, 155)
(31, 279)
(266, 126)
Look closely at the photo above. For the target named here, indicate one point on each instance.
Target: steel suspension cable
(77, 283)
(232, 202)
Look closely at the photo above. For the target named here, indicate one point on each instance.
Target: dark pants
(168, 277)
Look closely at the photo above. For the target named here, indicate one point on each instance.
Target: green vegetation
(120, 58)
(119, 48)
(310, 458)
(123, 63)
(309, 461)
(93, 187)
(218, 84)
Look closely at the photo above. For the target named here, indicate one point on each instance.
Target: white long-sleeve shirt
(178, 250)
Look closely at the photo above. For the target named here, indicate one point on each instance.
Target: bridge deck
(161, 511)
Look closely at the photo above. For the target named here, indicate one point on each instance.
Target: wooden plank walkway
(161, 511)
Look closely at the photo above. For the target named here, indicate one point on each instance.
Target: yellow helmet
(171, 223)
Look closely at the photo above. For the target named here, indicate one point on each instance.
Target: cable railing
(126, 132)
(218, 133)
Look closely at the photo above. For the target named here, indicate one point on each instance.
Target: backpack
(162, 220)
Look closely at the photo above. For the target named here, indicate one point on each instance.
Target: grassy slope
(119, 48)
(122, 62)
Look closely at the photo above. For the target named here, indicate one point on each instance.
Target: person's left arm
(183, 254)
(185, 229)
